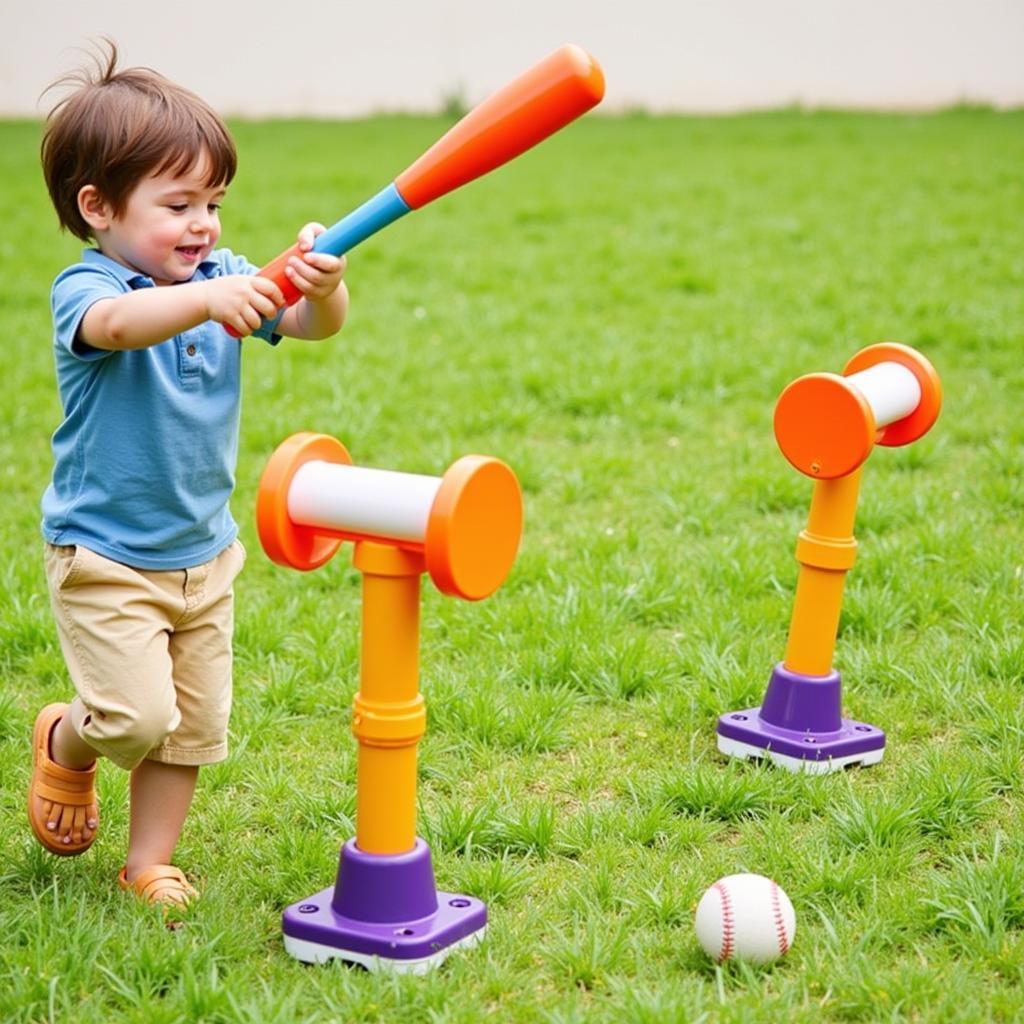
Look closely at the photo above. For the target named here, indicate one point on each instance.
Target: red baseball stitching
(728, 922)
(780, 925)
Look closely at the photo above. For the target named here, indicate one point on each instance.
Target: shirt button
(191, 350)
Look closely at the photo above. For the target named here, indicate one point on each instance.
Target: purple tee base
(799, 725)
(383, 911)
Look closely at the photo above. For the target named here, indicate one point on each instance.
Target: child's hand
(242, 301)
(317, 274)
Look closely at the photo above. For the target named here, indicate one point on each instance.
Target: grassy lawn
(614, 315)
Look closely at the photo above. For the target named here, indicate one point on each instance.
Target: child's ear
(95, 210)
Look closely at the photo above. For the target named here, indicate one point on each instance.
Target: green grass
(615, 315)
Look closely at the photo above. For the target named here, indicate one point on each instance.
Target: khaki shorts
(149, 654)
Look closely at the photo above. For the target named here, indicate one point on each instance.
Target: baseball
(747, 917)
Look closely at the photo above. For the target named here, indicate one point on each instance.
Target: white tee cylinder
(892, 391)
(354, 499)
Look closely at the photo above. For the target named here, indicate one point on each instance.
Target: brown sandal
(52, 783)
(162, 883)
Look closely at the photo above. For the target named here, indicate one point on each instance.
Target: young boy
(141, 547)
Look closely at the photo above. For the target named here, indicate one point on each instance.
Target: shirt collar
(135, 278)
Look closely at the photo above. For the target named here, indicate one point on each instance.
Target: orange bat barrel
(554, 92)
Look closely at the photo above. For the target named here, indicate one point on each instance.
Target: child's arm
(149, 316)
(318, 275)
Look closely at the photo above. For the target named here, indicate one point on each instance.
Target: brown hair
(117, 127)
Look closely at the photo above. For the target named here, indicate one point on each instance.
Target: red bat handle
(274, 271)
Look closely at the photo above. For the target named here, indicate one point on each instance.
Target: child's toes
(82, 829)
(66, 827)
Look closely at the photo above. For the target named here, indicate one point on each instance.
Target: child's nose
(201, 223)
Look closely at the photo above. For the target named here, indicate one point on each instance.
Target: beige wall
(349, 58)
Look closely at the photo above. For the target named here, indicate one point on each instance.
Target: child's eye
(213, 207)
(178, 207)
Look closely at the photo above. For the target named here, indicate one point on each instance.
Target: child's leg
(161, 795)
(113, 623)
(68, 748)
(162, 786)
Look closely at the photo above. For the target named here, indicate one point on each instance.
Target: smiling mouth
(190, 252)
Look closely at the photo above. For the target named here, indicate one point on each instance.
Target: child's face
(170, 223)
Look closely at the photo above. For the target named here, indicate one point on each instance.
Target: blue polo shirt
(144, 461)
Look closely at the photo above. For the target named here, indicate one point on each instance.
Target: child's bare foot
(62, 807)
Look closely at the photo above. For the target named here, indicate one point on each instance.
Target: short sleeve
(74, 291)
(229, 262)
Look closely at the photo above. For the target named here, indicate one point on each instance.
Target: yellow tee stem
(388, 714)
(826, 551)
